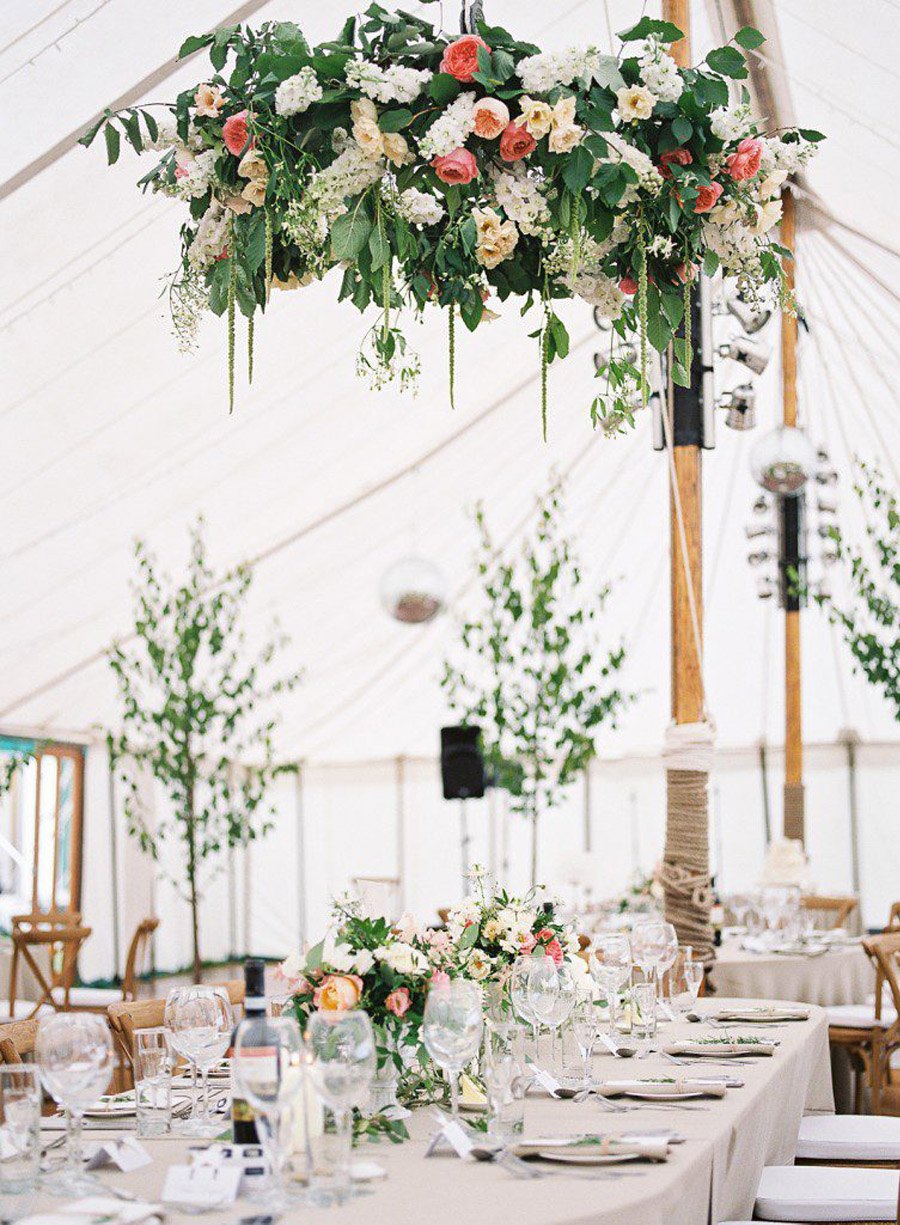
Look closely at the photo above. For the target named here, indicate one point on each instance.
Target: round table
(842, 975)
(713, 1175)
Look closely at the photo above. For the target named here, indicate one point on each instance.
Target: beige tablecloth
(712, 1176)
(843, 975)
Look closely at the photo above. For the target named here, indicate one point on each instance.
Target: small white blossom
(419, 207)
(541, 73)
(211, 238)
(521, 199)
(451, 128)
(297, 93)
(731, 123)
(659, 72)
(394, 84)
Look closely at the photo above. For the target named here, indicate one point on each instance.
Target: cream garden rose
(565, 133)
(635, 102)
(496, 238)
(209, 101)
(366, 131)
(536, 116)
(395, 149)
(252, 166)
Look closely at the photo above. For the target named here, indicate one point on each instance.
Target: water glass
(342, 1047)
(75, 1056)
(153, 1081)
(586, 1028)
(20, 1142)
(610, 967)
(505, 1079)
(552, 994)
(643, 1010)
(452, 1028)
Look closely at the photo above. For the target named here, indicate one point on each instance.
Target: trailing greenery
(531, 673)
(871, 625)
(190, 718)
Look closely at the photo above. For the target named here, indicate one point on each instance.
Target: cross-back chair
(884, 952)
(98, 999)
(833, 911)
(18, 1038)
(60, 934)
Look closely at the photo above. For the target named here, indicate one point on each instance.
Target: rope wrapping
(794, 807)
(688, 754)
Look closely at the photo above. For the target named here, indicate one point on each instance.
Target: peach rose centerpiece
(460, 58)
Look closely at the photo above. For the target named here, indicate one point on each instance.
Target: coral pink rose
(456, 167)
(236, 133)
(338, 993)
(461, 57)
(516, 143)
(527, 943)
(685, 274)
(440, 978)
(398, 1002)
(553, 950)
(744, 163)
(491, 117)
(628, 285)
(680, 157)
(707, 197)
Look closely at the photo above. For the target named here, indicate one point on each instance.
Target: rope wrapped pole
(688, 755)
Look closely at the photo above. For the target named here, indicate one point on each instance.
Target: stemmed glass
(551, 995)
(267, 1065)
(586, 1027)
(610, 967)
(202, 1022)
(342, 1046)
(518, 992)
(451, 1029)
(75, 1054)
(667, 958)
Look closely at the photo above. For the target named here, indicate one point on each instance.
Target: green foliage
(189, 698)
(871, 625)
(531, 673)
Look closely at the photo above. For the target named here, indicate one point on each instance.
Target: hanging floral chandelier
(457, 173)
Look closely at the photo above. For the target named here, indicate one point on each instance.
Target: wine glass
(451, 1029)
(342, 1046)
(267, 1065)
(552, 994)
(75, 1054)
(202, 1023)
(586, 1027)
(610, 967)
(518, 992)
(185, 1125)
(648, 943)
(667, 957)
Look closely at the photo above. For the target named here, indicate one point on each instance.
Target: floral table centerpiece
(450, 171)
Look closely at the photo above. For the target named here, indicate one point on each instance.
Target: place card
(201, 1186)
(545, 1079)
(249, 1159)
(126, 1155)
(452, 1133)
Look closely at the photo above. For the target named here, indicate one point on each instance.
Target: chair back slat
(61, 933)
(835, 910)
(18, 1038)
(137, 959)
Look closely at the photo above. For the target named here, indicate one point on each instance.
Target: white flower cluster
(419, 207)
(198, 172)
(521, 199)
(541, 73)
(166, 136)
(734, 243)
(649, 178)
(662, 245)
(297, 93)
(451, 128)
(350, 173)
(598, 290)
(730, 123)
(786, 156)
(345, 960)
(394, 84)
(211, 238)
(402, 958)
(659, 72)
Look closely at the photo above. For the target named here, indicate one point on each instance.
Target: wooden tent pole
(793, 711)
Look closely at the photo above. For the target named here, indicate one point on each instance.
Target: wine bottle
(243, 1121)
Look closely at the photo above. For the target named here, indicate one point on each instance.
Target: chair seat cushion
(23, 1010)
(859, 1016)
(826, 1193)
(88, 997)
(849, 1137)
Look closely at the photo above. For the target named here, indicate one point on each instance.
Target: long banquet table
(842, 975)
(712, 1176)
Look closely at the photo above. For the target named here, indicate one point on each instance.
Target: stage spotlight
(756, 530)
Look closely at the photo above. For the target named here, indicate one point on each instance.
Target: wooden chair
(61, 934)
(884, 951)
(893, 923)
(834, 911)
(99, 999)
(17, 1039)
(126, 1018)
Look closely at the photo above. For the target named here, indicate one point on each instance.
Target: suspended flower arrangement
(462, 172)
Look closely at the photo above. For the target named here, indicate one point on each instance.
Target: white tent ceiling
(108, 432)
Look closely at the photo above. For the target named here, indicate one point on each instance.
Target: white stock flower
(541, 73)
(731, 123)
(419, 207)
(394, 84)
(659, 72)
(451, 128)
(402, 958)
(211, 238)
(337, 955)
(297, 93)
(521, 199)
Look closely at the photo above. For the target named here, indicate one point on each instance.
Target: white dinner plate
(647, 1096)
(573, 1158)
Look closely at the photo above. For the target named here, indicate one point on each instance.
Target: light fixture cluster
(790, 534)
(746, 348)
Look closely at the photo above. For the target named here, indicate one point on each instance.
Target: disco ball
(783, 461)
(413, 590)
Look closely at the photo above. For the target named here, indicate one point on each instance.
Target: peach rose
(252, 166)
(440, 978)
(255, 192)
(744, 162)
(236, 133)
(516, 143)
(678, 157)
(707, 197)
(553, 950)
(628, 285)
(237, 204)
(209, 101)
(456, 167)
(395, 148)
(491, 116)
(338, 993)
(461, 57)
(398, 1002)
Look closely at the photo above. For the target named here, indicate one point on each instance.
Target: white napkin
(712, 1050)
(663, 1088)
(759, 1015)
(98, 1209)
(653, 1148)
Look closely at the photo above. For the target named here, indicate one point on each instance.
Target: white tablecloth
(843, 975)
(712, 1176)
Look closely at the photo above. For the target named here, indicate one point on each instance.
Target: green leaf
(659, 330)
(606, 73)
(151, 124)
(728, 62)
(682, 129)
(811, 134)
(443, 88)
(577, 169)
(194, 43)
(88, 138)
(664, 30)
(113, 143)
(560, 336)
(380, 249)
(395, 120)
(350, 233)
(132, 125)
(468, 937)
(710, 263)
(504, 65)
(749, 38)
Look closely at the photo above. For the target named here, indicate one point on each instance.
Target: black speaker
(462, 765)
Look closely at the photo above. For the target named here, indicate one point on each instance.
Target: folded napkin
(713, 1048)
(99, 1210)
(752, 1015)
(800, 950)
(651, 1148)
(663, 1088)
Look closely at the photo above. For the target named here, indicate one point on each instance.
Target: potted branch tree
(196, 715)
(531, 672)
